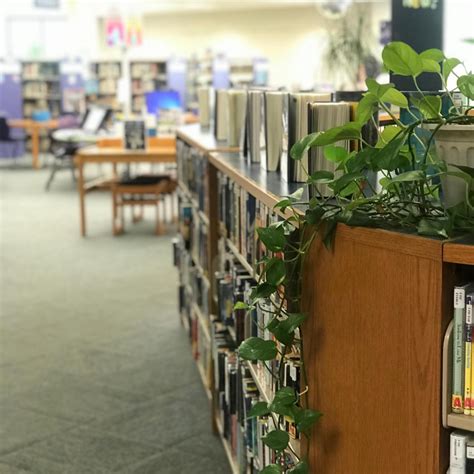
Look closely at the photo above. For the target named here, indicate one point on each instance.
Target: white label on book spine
(469, 314)
(470, 452)
(459, 296)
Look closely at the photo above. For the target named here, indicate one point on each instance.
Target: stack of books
(463, 354)
(461, 459)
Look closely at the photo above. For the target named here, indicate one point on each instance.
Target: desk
(34, 127)
(94, 154)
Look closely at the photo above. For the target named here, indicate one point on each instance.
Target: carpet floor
(96, 373)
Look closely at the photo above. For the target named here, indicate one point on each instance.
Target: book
(276, 132)
(204, 101)
(236, 109)
(468, 357)
(457, 454)
(255, 130)
(470, 455)
(221, 115)
(298, 129)
(458, 347)
(321, 117)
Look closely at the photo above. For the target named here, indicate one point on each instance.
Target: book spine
(458, 346)
(468, 358)
(457, 458)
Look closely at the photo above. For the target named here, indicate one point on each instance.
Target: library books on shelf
(379, 305)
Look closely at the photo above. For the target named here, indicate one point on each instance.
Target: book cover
(468, 355)
(457, 455)
(458, 347)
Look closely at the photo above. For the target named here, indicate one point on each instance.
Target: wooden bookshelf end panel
(373, 346)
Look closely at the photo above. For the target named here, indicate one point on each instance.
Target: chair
(66, 145)
(10, 147)
(144, 190)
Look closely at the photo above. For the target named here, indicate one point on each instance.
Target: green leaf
(275, 271)
(349, 131)
(313, 216)
(271, 469)
(293, 321)
(378, 90)
(429, 65)
(283, 204)
(272, 237)
(387, 135)
(329, 233)
(448, 65)
(281, 335)
(299, 149)
(392, 96)
(435, 228)
(466, 85)
(301, 468)
(345, 180)
(255, 348)
(258, 409)
(434, 54)
(321, 176)
(262, 290)
(242, 305)
(429, 106)
(277, 440)
(283, 402)
(336, 154)
(387, 156)
(366, 108)
(402, 59)
(297, 195)
(466, 169)
(352, 188)
(415, 175)
(306, 418)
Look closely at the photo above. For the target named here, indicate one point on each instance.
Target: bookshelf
(145, 76)
(379, 306)
(41, 87)
(103, 89)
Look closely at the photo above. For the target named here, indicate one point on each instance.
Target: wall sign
(135, 135)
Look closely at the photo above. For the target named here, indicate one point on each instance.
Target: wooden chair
(145, 190)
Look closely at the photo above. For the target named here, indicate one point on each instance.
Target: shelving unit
(41, 87)
(103, 86)
(379, 305)
(145, 76)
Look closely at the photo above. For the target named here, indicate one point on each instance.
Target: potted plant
(408, 198)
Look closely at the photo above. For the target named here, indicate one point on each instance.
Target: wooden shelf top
(266, 186)
(202, 139)
(459, 251)
(462, 422)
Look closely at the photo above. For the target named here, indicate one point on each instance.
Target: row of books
(40, 70)
(463, 354)
(265, 124)
(109, 70)
(240, 214)
(236, 393)
(40, 89)
(147, 70)
(192, 172)
(461, 459)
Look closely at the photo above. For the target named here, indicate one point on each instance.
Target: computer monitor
(162, 100)
(94, 119)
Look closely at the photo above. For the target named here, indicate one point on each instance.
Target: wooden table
(94, 154)
(34, 127)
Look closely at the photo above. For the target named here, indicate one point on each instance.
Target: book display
(145, 76)
(102, 87)
(224, 199)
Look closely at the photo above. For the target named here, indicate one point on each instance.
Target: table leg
(35, 146)
(82, 196)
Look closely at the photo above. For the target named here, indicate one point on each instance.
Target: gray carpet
(96, 374)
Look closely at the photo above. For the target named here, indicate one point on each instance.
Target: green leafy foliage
(284, 401)
(272, 237)
(306, 418)
(429, 106)
(402, 59)
(336, 154)
(258, 409)
(275, 271)
(466, 85)
(262, 290)
(255, 348)
(433, 54)
(449, 65)
(277, 440)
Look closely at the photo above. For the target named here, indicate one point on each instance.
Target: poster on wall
(134, 36)
(114, 31)
(134, 135)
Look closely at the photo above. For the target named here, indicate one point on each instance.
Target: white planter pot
(455, 145)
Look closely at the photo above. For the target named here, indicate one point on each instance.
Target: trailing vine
(408, 197)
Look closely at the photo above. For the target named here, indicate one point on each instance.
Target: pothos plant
(407, 198)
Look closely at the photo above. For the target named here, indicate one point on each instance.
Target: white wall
(292, 38)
